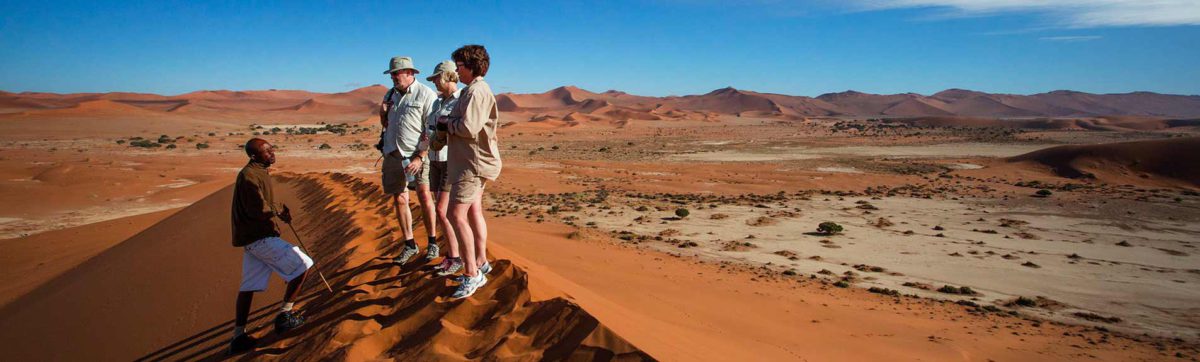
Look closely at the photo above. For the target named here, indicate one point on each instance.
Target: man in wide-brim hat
(404, 110)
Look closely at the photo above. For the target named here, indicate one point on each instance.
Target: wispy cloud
(1067, 13)
(1072, 38)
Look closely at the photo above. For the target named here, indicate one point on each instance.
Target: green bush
(829, 228)
(1044, 193)
(682, 213)
(145, 144)
(201, 146)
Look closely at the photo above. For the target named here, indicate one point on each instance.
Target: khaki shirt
(406, 118)
(474, 150)
(253, 205)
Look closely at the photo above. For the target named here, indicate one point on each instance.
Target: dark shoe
(407, 254)
(287, 321)
(242, 343)
(432, 252)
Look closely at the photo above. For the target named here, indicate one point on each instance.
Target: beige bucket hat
(444, 66)
(401, 63)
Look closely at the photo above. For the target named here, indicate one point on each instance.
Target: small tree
(829, 228)
(682, 213)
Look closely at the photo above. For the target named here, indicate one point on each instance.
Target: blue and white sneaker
(469, 286)
(486, 268)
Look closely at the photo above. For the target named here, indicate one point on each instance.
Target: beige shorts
(422, 176)
(394, 179)
(467, 190)
(435, 174)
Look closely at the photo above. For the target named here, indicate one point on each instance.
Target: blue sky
(660, 47)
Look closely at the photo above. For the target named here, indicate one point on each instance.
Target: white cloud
(1069, 13)
(1071, 38)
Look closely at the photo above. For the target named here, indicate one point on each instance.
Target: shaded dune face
(1170, 158)
(168, 292)
(383, 311)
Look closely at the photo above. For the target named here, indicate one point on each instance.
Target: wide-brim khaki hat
(401, 63)
(444, 66)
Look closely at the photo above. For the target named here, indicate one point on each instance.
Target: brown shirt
(253, 205)
(474, 150)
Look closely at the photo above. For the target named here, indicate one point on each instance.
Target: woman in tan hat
(474, 160)
(434, 174)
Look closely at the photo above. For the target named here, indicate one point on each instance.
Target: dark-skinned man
(254, 230)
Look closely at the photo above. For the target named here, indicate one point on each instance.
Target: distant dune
(1175, 158)
(1064, 110)
(1052, 110)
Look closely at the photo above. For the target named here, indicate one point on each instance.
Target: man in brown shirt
(264, 252)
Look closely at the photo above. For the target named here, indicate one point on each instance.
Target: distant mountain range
(951, 102)
(572, 104)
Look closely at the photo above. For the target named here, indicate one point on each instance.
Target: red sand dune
(951, 102)
(167, 293)
(1174, 158)
(562, 100)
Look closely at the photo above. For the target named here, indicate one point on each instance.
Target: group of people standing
(442, 144)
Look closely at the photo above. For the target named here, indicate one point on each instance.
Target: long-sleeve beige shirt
(474, 150)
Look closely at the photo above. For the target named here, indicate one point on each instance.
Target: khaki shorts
(394, 179)
(435, 174)
(467, 190)
(422, 176)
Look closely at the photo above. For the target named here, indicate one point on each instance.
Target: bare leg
(400, 202)
(462, 229)
(479, 226)
(243, 309)
(443, 203)
(428, 215)
(293, 287)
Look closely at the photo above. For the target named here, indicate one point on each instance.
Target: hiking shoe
(432, 252)
(287, 321)
(486, 268)
(242, 343)
(406, 254)
(445, 263)
(453, 266)
(469, 286)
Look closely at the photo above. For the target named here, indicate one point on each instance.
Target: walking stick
(305, 249)
(319, 273)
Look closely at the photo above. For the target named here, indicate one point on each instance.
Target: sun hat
(401, 63)
(444, 66)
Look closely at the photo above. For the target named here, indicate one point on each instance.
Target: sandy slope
(27, 262)
(167, 294)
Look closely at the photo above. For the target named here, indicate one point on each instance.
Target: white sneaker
(486, 268)
(468, 287)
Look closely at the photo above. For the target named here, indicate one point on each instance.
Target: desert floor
(1103, 267)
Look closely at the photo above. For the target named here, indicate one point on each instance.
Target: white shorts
(262, 257)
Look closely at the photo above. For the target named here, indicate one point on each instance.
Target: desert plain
(974, 226)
